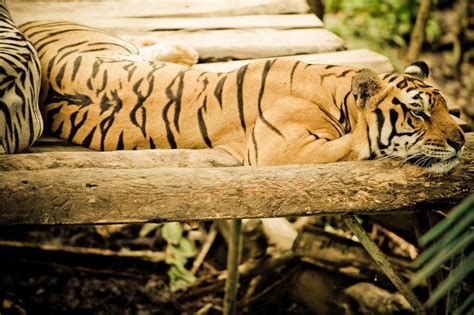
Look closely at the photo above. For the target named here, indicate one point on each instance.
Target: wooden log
(24, 11)
(142, 159)
(126, 195)
(248, 43)
(117, 25)
(359, 58)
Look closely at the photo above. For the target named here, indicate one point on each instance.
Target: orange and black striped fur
(20, 118)
(98, 92)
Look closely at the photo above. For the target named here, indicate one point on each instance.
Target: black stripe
(60, 76)
(324, 76)
(16, 139)
(152, 143)
(171, 100)
(266, 69)
(392, 79)
(76, 65)
(50, 116)
(177, 105)
(130, 68)
(93, 50)
(108, 121)
(104, 83)
(141, 99)
(40, 47)
(344, 73)
(332, 121)
(380, 122)
(58, 132)
(255, 147)
(75, 127)
(240, 95)
(88, 139)
(120, 145)
(218, 90)
(292, 73)
(402, 84)
(202, 123)
(67, 54)
(71, 45)
(345, 112)
(205, 83)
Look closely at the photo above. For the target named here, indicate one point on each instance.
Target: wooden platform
(57, 187)
(57, 183)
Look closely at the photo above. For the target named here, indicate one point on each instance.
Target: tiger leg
(290, 140)
(174, 52)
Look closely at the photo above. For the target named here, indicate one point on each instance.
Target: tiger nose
(457, 141)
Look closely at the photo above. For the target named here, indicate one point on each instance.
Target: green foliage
(450, 240)
(178, 250)
(148, 228)
(377, 24)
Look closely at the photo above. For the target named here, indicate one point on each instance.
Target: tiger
(21, 123)
(99, 92)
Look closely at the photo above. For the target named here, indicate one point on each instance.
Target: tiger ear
(365, 84)
(418, 69)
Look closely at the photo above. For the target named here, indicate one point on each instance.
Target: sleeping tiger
(98, 92)
(20, 117)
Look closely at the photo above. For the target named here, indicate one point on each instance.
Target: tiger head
(408, 118)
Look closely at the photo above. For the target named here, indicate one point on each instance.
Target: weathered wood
(135, 25)
(249, 43)
(343, 256)
(359, 58)
(31, 11)
(142, 159)
(124, 195)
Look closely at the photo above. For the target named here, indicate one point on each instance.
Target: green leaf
(180, 278)
(148, 228)
(441, 257)
(456, 276)
(175, 258)
(186, 247)
(444, 226)
(172, 232)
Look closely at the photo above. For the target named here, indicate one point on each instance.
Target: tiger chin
(98, 92)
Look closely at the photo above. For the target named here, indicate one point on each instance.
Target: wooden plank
(359, 58)
(120, 24)
(142, 159)
(245, 44)
(30, 11)
(104, 195)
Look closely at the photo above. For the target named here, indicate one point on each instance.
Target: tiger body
(98, 92)
(20, 118)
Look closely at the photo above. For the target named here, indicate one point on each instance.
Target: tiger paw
(174, 52)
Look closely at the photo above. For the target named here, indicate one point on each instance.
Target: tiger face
(409, 119)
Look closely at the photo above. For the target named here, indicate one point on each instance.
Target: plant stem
(418, 34)
(379, 257)
(233, 259)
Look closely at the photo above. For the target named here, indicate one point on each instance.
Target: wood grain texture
(142, 159)
(24, 11)
(126, 195)
(358, 58)
(248, 43)
(117, 25)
